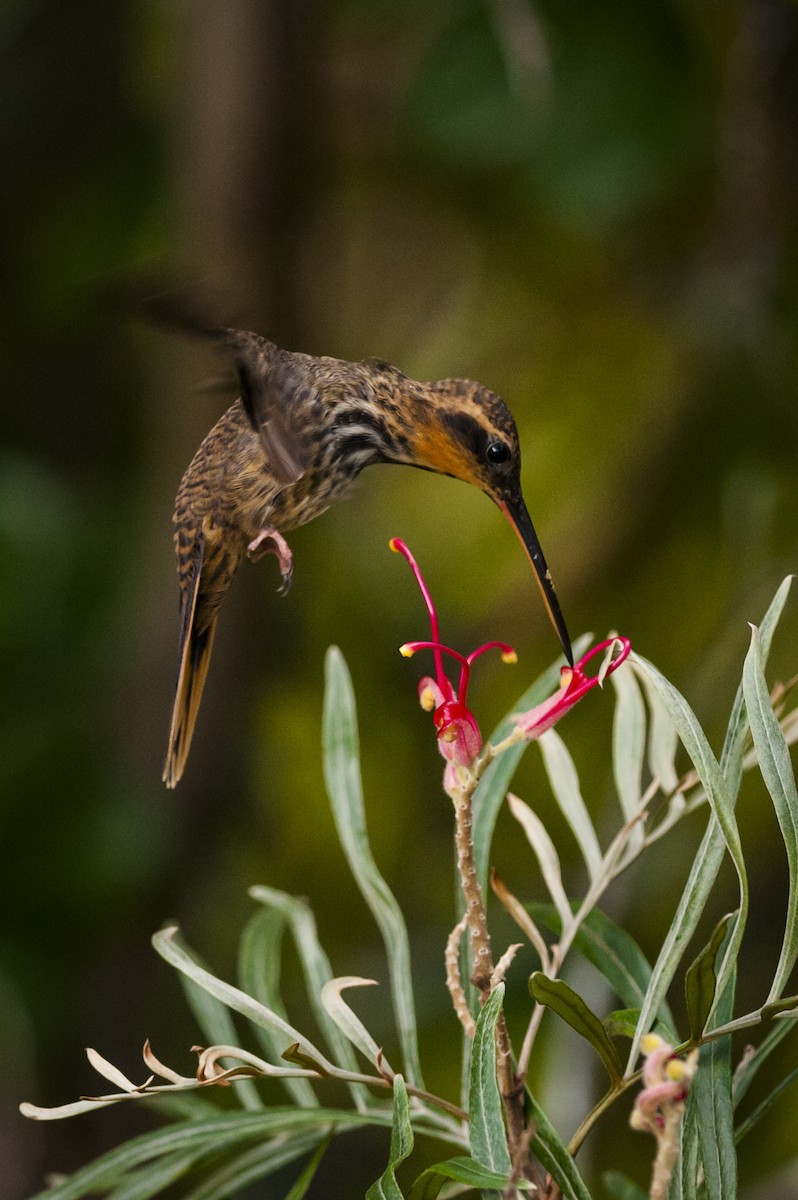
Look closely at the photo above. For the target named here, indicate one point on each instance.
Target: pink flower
(574, 684)
(459, 738)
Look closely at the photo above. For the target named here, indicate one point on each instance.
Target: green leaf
(621, 1187)
(459, 1170)
(492, 787)
(554, 1156)
(214, 1019)
(746, 1072)
(629, 747)
(564, 783)
(317, 971)
(486, 1119)
(259, 959)
(712, 1087)
(700, 980)
(177, 956)
(613, 952)
(778, 1008)
(622, 1022)
(710, 854)
(721, 801)
(256, 1162)
(299, 1190)
(764, 1107)
(202, 1137)
(154, 1178)
(562, 999)
(774, 762)
(386, 1187)
(546, 854)
(345, 790)
(663, 740)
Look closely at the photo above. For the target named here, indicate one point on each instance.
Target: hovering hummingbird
(290, 446)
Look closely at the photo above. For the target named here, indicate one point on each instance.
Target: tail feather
(194, 662)
(194, 655)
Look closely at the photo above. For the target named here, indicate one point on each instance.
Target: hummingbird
(292, 444)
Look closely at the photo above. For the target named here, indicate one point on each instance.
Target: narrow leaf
(629, 747)
(565, 786)
(764, 1107)
(746, 1073)
(252, 1164)
(386, 1187)
(714, 1111)
(546, 855)
(694, 897)
(299, 1190)
(614, 953)
(621, 1187)
(663, 740)
(345, 789)
(347, 1021)
(259, 959)
(554, 1156)
(488, 1138)
(710, 854)
(317, 971)
(175, 954)
(459, 1170)
(562, 999)
(700, 979)
(776, 767)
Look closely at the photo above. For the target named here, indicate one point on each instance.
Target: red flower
(459, 739)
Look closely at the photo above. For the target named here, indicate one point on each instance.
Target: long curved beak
(515, 511)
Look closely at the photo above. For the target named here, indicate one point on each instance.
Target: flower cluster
(459, 738)
(667, 1080)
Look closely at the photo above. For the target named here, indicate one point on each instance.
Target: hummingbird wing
(267, 393)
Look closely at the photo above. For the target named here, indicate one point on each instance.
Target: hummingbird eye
(497, 453)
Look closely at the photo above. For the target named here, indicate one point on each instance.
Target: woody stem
(510, 1086)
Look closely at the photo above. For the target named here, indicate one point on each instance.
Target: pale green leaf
(700, 979)
(317, 971)
(344, 786)
(386, 1187)
(629, 747)
(774, 762)
(259, 959)
(546, 854)
(486, 1120)
(564, 782)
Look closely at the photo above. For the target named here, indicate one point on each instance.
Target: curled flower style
(459, 737)
(659, 1107)
(574, 684)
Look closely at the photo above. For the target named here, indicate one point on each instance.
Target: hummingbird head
(463, 429)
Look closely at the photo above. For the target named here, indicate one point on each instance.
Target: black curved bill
(516, 513)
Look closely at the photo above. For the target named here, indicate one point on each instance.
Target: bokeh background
(591, 208)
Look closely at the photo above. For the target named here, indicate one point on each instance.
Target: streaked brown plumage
(292, 445)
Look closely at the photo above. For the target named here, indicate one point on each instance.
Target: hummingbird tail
(197, 630)
(194, 662)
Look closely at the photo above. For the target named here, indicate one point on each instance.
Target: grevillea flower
(459, 738)
(659, 1107)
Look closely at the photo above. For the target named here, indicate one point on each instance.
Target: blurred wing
(267, 394)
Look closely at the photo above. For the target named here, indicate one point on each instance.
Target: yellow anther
(426, 698)
(651, 1042)
(407, 650)
(509, 656)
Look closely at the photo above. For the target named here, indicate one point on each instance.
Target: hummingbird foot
(269, 541)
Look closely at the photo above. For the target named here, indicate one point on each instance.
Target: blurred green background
(589, 207)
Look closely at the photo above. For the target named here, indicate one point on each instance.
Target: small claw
(269, 541)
